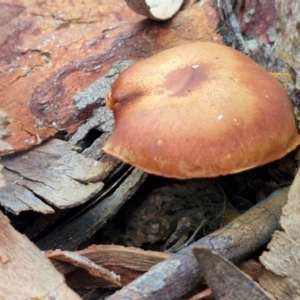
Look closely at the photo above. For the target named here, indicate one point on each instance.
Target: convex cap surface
(199, 110)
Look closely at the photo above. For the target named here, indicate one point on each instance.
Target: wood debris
(226, 280)
(107, 266)
(179, 273)
(4, 146)
(77, 230)
(282, 261)
(53, 173)
(25, 272)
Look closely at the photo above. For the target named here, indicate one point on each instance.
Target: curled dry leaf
(155, 9)
(226, 280)
(282, 277)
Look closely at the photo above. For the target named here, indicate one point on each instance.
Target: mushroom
(155, 9)
(199, 110)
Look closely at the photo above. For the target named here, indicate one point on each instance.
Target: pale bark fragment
(54, 172)
(25, 272)
(127, 263)
(282, 261)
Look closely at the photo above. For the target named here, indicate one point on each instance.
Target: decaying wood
(25, 272)
(271, 31)
(229, 20)
(283, 55)
(123, 264)
(70, 236)
(16, 197)
(180, 272)
(51, 54)
(252, 268)
(54, 172)
(282, 277)
(4, 133)
(226, 280)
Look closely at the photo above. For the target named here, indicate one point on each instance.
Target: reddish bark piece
(252, 267)
(36, 41)
(206, 294)
(20, 260)
(104, 261)
(51, 53)
(258, 19)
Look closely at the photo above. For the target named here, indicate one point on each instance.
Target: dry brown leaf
(50, 53)
(107, 266)
(226, 280)
(25, 272)
(283, 258)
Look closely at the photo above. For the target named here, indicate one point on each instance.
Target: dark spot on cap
(181, 81)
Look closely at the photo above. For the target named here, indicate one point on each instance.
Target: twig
(178, 274)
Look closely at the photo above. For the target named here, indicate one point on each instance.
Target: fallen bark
(106, 266)
(72, 234)
(25, 272)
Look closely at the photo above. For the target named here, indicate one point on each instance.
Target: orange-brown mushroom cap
(199, 110)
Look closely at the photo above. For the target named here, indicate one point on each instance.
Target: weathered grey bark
(70, 236)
